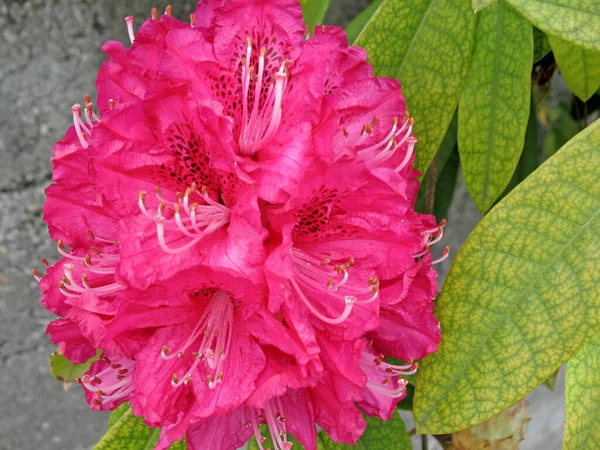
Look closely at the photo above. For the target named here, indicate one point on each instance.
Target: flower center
(272, 416)
(384, 378)
(111, 384)
(194, 221)
(215, 330)
(261, 119)
(329, 281)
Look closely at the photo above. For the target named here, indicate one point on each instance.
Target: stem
(424, 442)
(430, 191)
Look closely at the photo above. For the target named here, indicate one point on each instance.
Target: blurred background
(49, 56)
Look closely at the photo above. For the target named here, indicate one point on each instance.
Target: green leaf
(446, 183)
(314, 11)
(478, 5)
(65, 370)
(445, 151)
(530, 157)
(550, 382)
(407, 402)
(360, 21)
(579, 67)
(494, 106)
(389, 435)
(576, 21)
(523, 294)
(562, 127)
(541, 45)
(116, 414)
(128, 432)
(582, 395)
(427, 46)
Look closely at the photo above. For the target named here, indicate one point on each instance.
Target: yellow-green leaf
(65, 370)
(582, 398)
(478, 5)
(314, 11)
(579, 67)
(360, 21)
(523, 294)
(427, 46)
(494, 107)
(128, 432)
(389, 435)
(575, 21)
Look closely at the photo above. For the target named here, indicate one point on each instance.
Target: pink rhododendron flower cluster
(238, 231)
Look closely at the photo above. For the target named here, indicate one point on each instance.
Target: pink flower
(238, 234)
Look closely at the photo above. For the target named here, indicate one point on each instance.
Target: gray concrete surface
(49, 55)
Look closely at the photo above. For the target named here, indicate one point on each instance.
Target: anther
(165, 350)
(180, 354)
(174, 380)
(154, 14)
(36, 274)
(90, 234)
(44, 261)
(169, 10)
(111, 104)
(192, 20)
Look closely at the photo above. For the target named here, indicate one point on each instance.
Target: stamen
(169, 10)
(257, 129)
(275, 422)
(192, 20)
(445, 253)
(198, 222)
(112, 383)
(215, 327)
(315, 275)
(154, 14)
(129, 21)
(36, 275)
(79, 126)
(379, 375)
